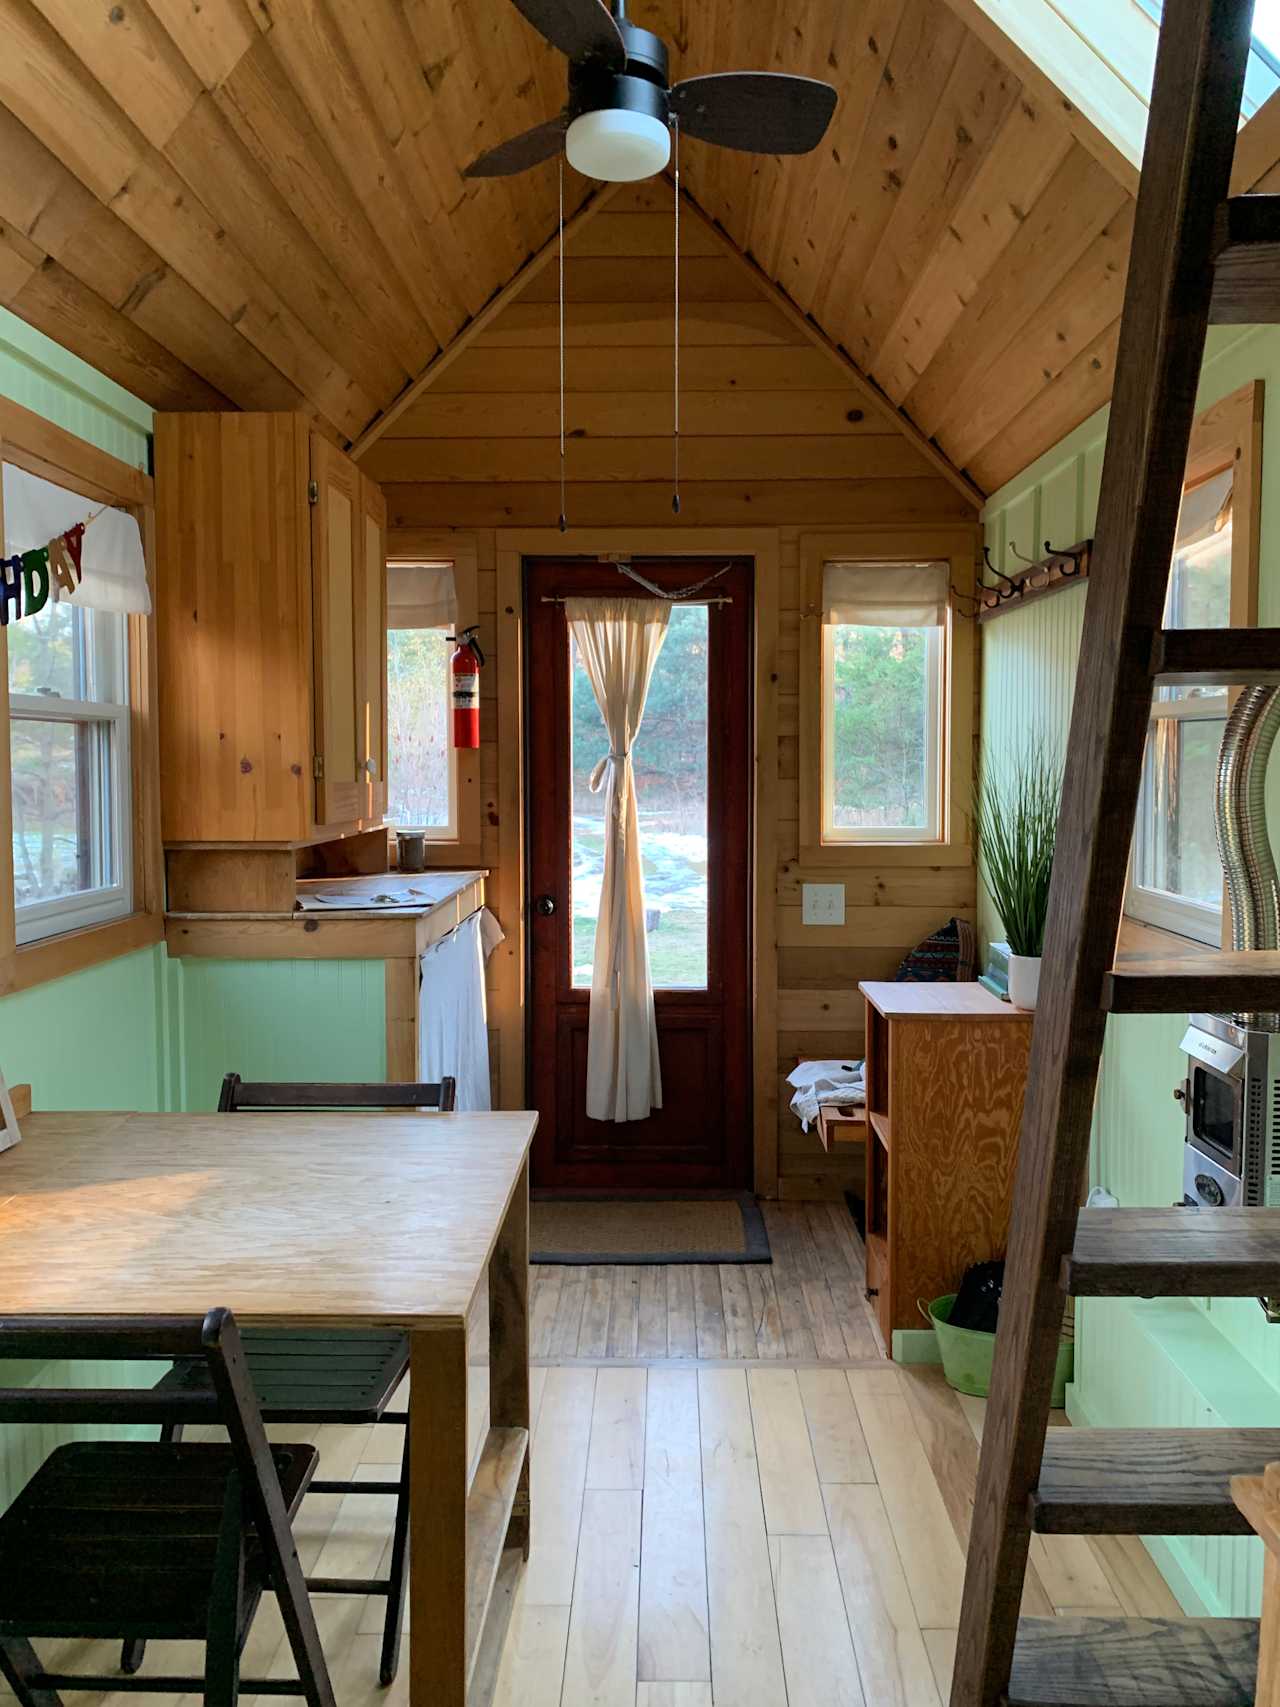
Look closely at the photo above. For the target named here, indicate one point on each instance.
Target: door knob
(546, 905)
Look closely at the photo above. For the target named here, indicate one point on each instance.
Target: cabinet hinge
(313, 491)
(317, 767)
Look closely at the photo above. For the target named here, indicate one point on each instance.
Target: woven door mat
(675, 1229)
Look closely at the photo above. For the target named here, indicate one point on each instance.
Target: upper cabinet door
(371, 675)
(337, 571)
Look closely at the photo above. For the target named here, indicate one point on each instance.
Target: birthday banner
(53, 551)
(28, 577)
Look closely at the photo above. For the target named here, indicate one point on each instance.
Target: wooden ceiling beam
(42, 199)
(1052, 59)
(46, 88)
(480, 323)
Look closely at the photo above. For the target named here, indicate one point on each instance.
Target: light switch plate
(822, 903)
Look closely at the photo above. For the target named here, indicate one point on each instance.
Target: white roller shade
(115, 570)
(885, 595)
(421, 595)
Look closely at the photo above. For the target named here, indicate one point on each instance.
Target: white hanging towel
(453, 1036)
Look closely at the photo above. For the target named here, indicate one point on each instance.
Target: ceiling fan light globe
(618, 146)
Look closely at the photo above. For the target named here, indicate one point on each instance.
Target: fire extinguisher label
(466, 693)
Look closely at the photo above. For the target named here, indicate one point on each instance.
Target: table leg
(509, 1342)
(438, 1657)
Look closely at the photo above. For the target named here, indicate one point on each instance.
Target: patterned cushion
(949, 956)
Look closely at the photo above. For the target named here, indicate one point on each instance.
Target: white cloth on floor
(819, 1082)
(453, 1035)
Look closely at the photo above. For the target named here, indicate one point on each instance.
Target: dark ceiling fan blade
(583, 29)
(762, 112)
(518, 153)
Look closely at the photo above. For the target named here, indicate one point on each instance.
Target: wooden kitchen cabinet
(946, 1072)
(271, 613)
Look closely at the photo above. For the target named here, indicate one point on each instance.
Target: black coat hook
(999, 592)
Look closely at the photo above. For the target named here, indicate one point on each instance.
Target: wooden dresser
(946, 1070)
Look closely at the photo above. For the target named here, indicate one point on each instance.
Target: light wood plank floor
(709, 1536)
(807, 1305)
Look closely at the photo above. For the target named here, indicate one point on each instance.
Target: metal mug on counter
(411, 850)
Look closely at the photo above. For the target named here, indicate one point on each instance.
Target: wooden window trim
(1228, 434)
(957, 545)
(462, 550)
(40, 447)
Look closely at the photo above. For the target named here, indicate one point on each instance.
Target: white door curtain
(619, 641)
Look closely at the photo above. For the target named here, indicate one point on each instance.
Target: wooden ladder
(1197, 257)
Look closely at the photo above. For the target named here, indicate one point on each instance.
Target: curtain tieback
(596, 780)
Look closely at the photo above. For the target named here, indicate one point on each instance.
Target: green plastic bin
(967, 1355)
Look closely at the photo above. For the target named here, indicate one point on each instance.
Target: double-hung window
(69, 718)
(422, 769)
(1176, 876)
(884, 667)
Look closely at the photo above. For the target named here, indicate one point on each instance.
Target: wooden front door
(692, 763)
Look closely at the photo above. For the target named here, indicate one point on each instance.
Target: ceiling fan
(616, 124)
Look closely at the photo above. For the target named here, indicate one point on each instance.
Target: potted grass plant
(1015, 823)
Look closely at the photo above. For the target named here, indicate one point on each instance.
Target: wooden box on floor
(946, 1070)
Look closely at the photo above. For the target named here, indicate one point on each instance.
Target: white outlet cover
(822, 903)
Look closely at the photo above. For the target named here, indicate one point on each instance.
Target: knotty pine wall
(777, 437)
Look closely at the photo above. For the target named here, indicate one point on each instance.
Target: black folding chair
(139, 1539)
(323, 1375)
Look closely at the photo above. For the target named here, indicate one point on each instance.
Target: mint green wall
(94, 1040)
(1163, 1363)
(274, 1019)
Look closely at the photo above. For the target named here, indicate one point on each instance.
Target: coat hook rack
(1056, 569)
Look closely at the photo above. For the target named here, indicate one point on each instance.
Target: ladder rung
(1138, 1481)
(1174, 1253)
(1134, 1662)
(1198, 982)
(1246, 254)
(1215, 657)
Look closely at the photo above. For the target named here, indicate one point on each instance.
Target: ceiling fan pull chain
(675, 495)
(564, 520)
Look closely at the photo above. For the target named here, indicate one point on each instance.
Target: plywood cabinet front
(271, 605)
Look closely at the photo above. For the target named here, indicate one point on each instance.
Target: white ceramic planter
(1024, 979)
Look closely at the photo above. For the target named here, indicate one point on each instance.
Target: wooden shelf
(880, 1126)
(841, 1124)
(1246, 250)
(489, 1507)
(1134, 1662)
(1133, 1481)
(1174, 1253)
(1216, 657)
(1200, 981)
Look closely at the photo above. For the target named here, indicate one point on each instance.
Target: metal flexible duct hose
(1240, 815)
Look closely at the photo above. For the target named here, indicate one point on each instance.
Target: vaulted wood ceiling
(259, 203)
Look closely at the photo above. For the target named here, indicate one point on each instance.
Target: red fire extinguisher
(465, 667)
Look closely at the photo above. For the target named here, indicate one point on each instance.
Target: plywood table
(338, 1220)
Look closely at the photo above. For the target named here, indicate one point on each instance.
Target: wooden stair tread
(1137, 1481)
(1215, 657)
(1246, 258)
(1174, 1253)
(1134, 1662)
(1200, 981)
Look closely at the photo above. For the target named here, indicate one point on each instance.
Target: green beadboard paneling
(49, 380)
(278, 1019)
(1164, 1363)
(90, 1040)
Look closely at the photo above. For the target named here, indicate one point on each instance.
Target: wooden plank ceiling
(259, 203)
